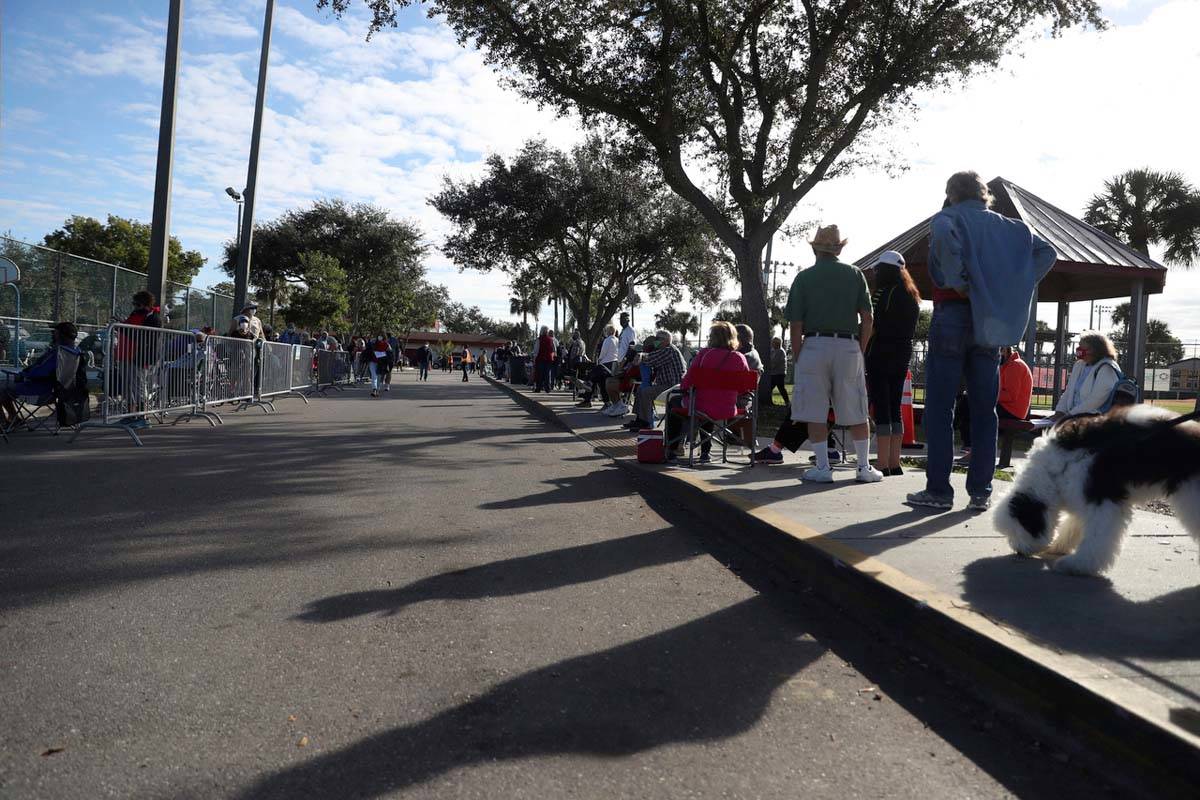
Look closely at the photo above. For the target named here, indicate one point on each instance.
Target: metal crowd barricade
(324, 378)
(149, 374)
(343, 369)
(230, 370)
(275, 363)
(303, 370)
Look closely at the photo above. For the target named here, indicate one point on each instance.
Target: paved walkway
(1135, 633)
(433, 594)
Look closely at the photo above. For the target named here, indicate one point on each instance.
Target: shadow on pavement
(535, 573)
(580, 489)
(706, 680)
(1090, 617)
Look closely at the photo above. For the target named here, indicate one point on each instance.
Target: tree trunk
(754, 308)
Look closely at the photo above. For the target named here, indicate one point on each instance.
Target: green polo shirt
(828, 297)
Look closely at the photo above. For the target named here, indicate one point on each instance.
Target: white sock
(821, 450)
(862, 449)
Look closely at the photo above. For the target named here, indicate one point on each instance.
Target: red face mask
(1081, 353)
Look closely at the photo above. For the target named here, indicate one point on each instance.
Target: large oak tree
(770, 97)
(586, 224)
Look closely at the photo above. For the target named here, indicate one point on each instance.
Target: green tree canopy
(1144, 207)
(1162, 347)
(125, 242)
(745, 106)
(586, 223)
(675, 321)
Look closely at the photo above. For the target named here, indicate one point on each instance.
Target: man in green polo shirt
(829, 309)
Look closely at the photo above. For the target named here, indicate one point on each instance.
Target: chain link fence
(57, 286)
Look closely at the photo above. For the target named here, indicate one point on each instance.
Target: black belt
(824, 335)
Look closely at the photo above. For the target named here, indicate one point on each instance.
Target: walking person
(467, 360)
(896, 304)
(985, 269)
(777, 369)
(424, 356)
(829, 310)
(378, 357)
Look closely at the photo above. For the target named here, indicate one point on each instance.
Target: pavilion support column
(1031, 335)
(1135, 348)
(1060, 349)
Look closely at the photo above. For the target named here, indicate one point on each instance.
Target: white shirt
(627, 337)
(1087, 390)
(609, 350)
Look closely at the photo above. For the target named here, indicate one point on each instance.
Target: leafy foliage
(125, 242)
(770, 97)
(585, 224)
(1145, 207)
(1163, 348)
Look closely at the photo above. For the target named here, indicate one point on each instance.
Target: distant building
(436, 340)
(1185, 375)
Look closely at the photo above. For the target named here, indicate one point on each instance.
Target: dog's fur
(1075, 496)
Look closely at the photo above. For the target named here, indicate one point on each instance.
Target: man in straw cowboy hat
(829, 308)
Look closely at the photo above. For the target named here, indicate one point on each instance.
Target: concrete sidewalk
(1132, 638)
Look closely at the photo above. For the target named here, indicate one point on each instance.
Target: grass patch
(919, 464)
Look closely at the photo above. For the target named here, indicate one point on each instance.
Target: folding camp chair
(28, 406)
(703, 379)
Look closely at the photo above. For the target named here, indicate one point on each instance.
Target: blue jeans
(954, 355)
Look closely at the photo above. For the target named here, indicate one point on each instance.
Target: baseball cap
(890, 257)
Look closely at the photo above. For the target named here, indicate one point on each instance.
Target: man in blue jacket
(985, 269)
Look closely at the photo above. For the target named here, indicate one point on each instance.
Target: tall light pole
(241, 277)
(160, 221)
(237, 198)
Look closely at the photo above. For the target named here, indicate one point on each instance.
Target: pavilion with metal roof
(1091, 266)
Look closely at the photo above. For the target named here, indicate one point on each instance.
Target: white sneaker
(617, 410)
(868, 474)
(818, 475)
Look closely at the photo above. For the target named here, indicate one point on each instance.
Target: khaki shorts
(830, 374)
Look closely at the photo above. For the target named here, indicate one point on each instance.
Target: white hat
(890, 257)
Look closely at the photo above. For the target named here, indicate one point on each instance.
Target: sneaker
(980, 502)
(584, 404)
(617, 410)
(387, 388)
(835, 457)
(768, 456)
(926, 500)
(818, 475)
(704, 458)
(868, 474)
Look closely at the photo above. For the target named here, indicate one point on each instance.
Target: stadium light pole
(237, 198)
(241, 278)
(160, 222)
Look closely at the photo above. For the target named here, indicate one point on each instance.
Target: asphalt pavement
(433, 594)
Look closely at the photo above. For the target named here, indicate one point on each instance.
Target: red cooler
(651, 447)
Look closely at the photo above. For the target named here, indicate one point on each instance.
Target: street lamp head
(234, 193)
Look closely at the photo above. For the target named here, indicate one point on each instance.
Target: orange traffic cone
(906, 414)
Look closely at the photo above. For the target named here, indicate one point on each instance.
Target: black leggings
(780, 382)
(885, 386)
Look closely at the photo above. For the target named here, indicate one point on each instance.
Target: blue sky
(383, 121)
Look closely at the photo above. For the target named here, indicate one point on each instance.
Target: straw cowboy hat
(828, 239)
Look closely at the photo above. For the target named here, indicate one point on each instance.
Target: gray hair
(745, 333)
(663, 336)
(609, 330)
(967, 185)
(545, 329)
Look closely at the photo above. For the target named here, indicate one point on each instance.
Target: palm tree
(1145, 207)
(681, 322)
(528, 301)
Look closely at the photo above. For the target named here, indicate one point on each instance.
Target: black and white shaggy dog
(1075, 496)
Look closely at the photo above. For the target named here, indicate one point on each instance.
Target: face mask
(1080, 353)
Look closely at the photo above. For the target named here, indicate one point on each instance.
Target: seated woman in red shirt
(721, 355)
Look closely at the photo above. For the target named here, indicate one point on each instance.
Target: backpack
(1124, 393)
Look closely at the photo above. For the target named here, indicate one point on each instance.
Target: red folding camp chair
(704, 379)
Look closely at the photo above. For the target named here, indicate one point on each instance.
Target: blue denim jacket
(996, 261)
